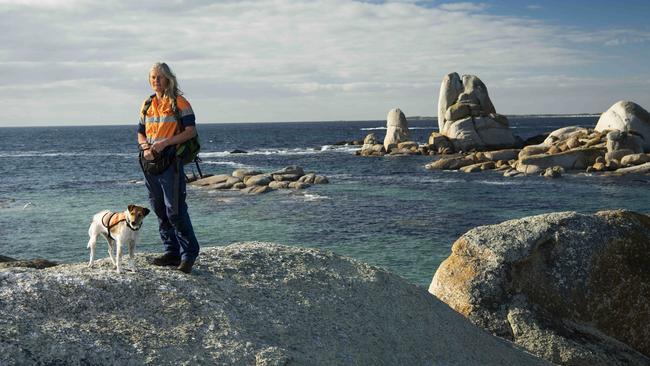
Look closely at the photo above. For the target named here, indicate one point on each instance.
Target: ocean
(386, 211)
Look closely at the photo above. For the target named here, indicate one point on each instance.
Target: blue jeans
(174, 223)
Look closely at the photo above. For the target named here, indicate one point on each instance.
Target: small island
(473, 137)
(256, 182)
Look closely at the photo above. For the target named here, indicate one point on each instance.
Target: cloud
(463, 7)
(609, 37)
(626, 37)
(270, 60)
(40, 3)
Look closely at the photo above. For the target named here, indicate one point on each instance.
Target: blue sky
(81, 62)
(592, 14)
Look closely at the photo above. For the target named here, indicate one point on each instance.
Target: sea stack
(628, 117)
(468, 118)
(397, 129)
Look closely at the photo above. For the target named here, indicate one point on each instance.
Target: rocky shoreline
(570, 288)
(257, 182)
(245, 304)
(473, 137)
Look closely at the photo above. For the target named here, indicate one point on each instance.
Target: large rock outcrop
(576, 159)
(629, 117)
(371, 146)
(245, 304)
(569, 287)
(622, 140)
(614, 148)
(468, 118)
(256, 182)
(397, 129)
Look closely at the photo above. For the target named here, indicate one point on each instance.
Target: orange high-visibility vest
(160, 122)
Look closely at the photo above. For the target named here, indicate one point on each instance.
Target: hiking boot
(167, 259)
(185, 267)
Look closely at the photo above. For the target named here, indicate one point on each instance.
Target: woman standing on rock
(167, 120)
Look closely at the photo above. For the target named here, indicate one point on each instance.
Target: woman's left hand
(159, 146)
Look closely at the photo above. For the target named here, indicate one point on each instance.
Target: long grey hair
(172, 90)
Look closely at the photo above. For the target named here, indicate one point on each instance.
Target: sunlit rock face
(568, 287)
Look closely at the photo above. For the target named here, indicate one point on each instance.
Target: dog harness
(115, 218)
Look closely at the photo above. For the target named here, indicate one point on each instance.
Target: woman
(166, 120)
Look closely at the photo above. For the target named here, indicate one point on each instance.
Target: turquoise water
(386, 211)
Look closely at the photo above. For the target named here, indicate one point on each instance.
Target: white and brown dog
(118, 229)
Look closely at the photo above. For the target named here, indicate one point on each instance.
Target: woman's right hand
(148, 154)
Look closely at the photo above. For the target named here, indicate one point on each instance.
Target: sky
(86, 62)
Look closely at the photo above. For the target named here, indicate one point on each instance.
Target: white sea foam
(314, 197)
(342, 176)
(214, 154)
(556, 115)
(285, 151)
(442, 180)
(279, 151)
(340, 148)
(384, 128)
(37, 154)
(135, 181)
(409, 178)
(499, 183)
(227, 163)
(282, 151)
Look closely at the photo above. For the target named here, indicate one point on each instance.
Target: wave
(499, 183)
(209, 154)
(404, 177)
(133, 181)
(227, 163)
(340, 148)
(583, 115)
(279, 151)
(314, 197)
(38, 154)
(385, 128)
(283, 151)
(342, 176)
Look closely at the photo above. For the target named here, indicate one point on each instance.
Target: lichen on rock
(244, 304)
(571, 288)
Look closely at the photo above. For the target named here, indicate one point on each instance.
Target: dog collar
(128, 223)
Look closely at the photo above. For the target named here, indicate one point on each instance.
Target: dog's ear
(145, 211)
(130, 207)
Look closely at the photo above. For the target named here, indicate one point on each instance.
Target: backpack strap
(177, 115)
(146, 106)
(179, 120)
(181, 128)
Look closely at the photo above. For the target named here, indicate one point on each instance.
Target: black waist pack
(159, 164)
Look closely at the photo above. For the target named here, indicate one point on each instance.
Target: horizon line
(557, 115)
